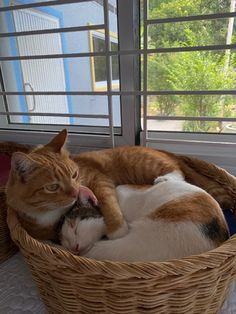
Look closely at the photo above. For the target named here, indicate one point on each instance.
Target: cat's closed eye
(52, 187)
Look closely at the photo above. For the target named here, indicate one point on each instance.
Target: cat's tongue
(86, 196)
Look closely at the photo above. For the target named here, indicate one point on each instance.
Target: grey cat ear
(57, 143)
(22, 164)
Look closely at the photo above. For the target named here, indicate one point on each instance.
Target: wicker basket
(72, 284)
(7, 246)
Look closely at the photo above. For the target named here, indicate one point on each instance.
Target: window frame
(218, 148)
(80, 137)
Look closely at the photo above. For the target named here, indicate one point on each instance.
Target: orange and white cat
(45, 183)
(171, 219)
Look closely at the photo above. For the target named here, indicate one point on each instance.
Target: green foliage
(199, 70)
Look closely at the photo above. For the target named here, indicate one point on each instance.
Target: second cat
(171, 219)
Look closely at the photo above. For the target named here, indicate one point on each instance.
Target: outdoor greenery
(198, 70)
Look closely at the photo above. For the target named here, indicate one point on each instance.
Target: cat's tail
(213, 179)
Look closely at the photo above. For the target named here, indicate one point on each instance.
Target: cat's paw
(174, 175)
(160, 179)
(119, 233)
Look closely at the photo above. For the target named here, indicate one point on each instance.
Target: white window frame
(218, 148)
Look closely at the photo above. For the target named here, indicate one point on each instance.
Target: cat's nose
(76, 248)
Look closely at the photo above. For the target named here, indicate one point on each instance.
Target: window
(158, 72)
(60, 67)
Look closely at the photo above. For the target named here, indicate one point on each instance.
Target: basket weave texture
(73, 284)
(7, 246)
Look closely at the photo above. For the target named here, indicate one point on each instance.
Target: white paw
(121, 232)
(174, 175)
(160, 179)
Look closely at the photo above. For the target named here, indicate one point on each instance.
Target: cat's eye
(52, 187)
(75, 174)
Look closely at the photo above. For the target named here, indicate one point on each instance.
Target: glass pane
(193, 106)
(174, 8)
(192, 126)
(92, 105)
(71, 42)
(66, 15)
(187, 34)
(197, 70)
(68, 74)
(60, 74)
(217, 106)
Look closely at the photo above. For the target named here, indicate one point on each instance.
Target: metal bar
(4, 97)
(54, 56)
(40, 4)
(124, 93)
(145, 61)
(180, 118)
(192, 48)
(108, 70)
(152, 21)
(192, 18)
(94, 116)
(48, 114)
(54, 30)
(119, 53)
(191, 142)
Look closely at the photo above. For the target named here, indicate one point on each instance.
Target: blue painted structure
(17, 66)
(77, 70)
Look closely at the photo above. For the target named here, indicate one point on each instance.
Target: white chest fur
(47, 218)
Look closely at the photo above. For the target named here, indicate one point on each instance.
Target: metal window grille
(128, 51)
(149, 137)
(101, 136)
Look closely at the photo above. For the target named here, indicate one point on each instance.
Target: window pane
(66, 15)
(192, 126)
(71, 42)
(182, 34)
(68, 74)
(197, 70)
(82, 74)
(193, 105)
(174, 8)
(217, 106)
(92, 105)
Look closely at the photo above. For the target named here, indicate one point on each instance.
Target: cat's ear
(58, 142)
(86, 196)
(22, 165)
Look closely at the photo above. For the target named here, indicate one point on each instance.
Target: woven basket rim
(183, 266)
